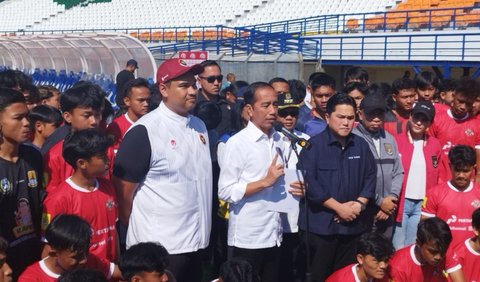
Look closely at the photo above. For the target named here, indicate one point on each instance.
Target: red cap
(173, 68)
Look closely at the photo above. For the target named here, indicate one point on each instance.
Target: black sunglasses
(293, 112)
(212, 78)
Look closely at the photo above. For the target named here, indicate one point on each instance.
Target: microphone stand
(305, 201)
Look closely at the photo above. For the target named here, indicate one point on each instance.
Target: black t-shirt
(21, 196)
(122, 78)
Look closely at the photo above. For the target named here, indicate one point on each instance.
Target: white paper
(279, 199)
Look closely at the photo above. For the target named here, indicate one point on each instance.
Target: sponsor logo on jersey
(5, 186)
(32, 179)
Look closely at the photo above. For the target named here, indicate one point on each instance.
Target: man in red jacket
(420, 154)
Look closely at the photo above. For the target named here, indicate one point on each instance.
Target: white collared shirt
(247, 157)
(173, 203)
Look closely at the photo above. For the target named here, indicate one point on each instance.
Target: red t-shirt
(346, 274)
(404, 267)
(118, 128)
(451, 132)
(98, 207)
(39, 272)
(396, 127)
(56, 169)
(454, 207)
(466, 258)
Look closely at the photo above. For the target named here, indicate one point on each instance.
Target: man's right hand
(274, 172)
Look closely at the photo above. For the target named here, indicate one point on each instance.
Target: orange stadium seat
(352, 24)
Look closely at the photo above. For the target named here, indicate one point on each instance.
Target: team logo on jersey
(5, 186)
(435, 161)
(469, 132)
(32, 179)
(476, 203)
(388, 148)
(202, 138)
(110, 204)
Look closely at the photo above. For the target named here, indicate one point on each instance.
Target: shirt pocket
(327, 172)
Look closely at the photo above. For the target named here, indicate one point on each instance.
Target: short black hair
(277, 79)
(249, 95)
(143, 257)
(355, 85)
(210, 63)
(137, 82)
(237, 270)
(322, 79)
(356, 73)
(15, 79)
(462, 156)
(209, 112)
(84, 144)
(33, 94)
(240, 83)
(376, 245)
(68, 232)
(82, 95)
(44, 113)
(447, 85)
(436, 231)
(82, 275)
(340, 99)
(297, 88)
(467, 88)
(47, 91)
(476, 219)
(384, 89)
(3, 245)
(10, 96)
(426, 79)
(402, 84)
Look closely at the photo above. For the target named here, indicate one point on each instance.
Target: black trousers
(265, 262)
(328, 253)
(186, 267)
(290, 257)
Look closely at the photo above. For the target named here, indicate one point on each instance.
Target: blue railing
(429, 19)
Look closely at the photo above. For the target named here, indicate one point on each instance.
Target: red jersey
(450, 132)
(98, 207)
(56, 169)
(39, 271)
(454, 207)
(466, 258)
(346, 274)
(404, 267)
(117, 129)
(432, 153)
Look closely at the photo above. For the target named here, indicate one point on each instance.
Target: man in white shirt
(254, 165)
(163, 174)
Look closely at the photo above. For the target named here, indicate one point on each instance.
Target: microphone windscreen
(278, 126)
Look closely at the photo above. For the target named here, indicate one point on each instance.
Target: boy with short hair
(322, 87)
(136, 101)
(145, 262)
(423, 261)
(49, 95)
(373, 253)
(86, 194)
(404, 96)
(463, 264)
(43, 122)
(82, 109)
(455, 200)
(69, 239)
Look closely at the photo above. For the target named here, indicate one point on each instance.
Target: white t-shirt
(417, 177)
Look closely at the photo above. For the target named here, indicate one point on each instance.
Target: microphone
(302, 142)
